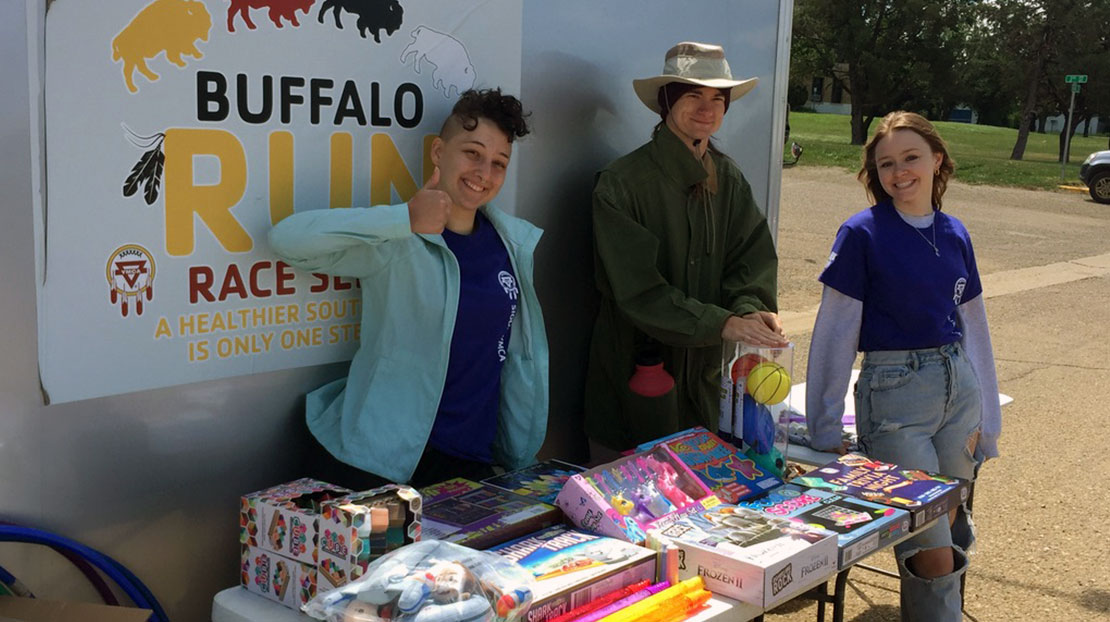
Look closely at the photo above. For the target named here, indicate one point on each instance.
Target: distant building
(1055, 125)
(827, 95)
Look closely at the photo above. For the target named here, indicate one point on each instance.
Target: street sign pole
(1067, 131)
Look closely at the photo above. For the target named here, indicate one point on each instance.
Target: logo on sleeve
(832, 258)
(958, 294)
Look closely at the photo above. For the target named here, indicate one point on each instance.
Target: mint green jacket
(380, 417)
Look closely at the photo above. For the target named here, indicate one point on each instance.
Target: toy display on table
(430, 581)
(924, 495)
(572, 567)
(755, 382)
(861, 526)
(479, 515)
(541, 481)
(727, 472)
(360, 527)
(626, 497)
(749, 555)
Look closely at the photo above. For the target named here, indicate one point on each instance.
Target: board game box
(541, 481)
(749, 555)
(572, 568)
(861, 526)
(924, 495)
(730, 474)
(479, 516)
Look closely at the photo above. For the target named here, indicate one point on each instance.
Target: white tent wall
(152, 478)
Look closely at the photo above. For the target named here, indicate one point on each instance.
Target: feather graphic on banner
(147, 172)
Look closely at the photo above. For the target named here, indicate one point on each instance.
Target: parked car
(1095, 172)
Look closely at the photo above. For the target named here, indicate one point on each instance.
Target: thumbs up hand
(429, 207)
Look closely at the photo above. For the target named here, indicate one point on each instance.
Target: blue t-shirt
(909, 292)
(466, 422)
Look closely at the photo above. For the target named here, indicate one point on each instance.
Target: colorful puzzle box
(861, 526)
(480, 516)
(358, 528)
(572, 568)
(924, 495)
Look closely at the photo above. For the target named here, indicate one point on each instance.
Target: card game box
(749, 555)
(479, 516)
(861, 526)
(926, 496)
(572, 568)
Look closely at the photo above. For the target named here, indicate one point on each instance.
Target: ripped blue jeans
(921, 409)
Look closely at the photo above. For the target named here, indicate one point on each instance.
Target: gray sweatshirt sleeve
(832, 351)
(977, 344)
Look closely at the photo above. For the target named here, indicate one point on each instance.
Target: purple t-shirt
(466, 422)
(909, 291)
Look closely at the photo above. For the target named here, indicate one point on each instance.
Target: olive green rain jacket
(679, 247)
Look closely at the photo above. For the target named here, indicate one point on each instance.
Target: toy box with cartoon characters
(625, 498)
(749, 555)
(861, 526)
(730, 474)
(572, 568)
(480, 516)
(924, 495)
(360, 527)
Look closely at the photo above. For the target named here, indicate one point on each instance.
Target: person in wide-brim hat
(693, 63)
(684, 260)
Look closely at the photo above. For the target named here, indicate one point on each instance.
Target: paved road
(1043, 508)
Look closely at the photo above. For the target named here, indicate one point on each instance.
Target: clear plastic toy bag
(430, 581)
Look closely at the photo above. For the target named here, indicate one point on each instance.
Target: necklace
(934, 242)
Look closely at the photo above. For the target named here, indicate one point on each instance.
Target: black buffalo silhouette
(373, 15)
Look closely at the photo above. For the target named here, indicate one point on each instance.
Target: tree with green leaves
(1038, 42)
(887, 54)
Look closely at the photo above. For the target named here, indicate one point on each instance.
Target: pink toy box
(629, 496)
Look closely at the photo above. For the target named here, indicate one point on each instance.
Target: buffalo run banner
(179, 131)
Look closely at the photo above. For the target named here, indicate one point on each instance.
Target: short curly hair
(505, 111)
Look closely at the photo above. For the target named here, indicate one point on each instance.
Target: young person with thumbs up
(451, 376)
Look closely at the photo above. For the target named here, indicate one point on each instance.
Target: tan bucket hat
(690, 62)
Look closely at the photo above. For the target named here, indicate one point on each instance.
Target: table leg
(838, 594)
(822, 597)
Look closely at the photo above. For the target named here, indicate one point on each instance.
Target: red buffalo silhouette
(278, 9)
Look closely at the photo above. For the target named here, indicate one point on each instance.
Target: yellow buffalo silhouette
(170, 26)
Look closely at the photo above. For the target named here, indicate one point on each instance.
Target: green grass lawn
(982, 152)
